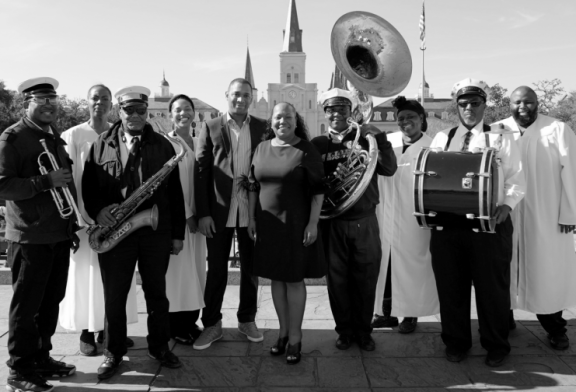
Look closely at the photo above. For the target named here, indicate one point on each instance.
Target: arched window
(377, 116)
(296, 78)
(389, 116)
(288, 78)
(310, 104)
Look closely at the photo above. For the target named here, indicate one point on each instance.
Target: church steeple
(248, 73)
(292, 33)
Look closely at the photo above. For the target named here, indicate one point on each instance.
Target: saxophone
(104, 238)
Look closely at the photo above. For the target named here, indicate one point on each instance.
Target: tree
(548, 91)
(565, 110)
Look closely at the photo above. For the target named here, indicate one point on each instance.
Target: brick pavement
(400, 363)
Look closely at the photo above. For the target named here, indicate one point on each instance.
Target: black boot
(386, 321)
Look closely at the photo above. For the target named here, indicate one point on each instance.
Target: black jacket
(102, 177)
(31, 214)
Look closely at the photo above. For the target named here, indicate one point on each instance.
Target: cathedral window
(430, 114)
(444, 115)
(288, 78)
(310, 104)
(377, 116)
(296, 78)
(390, 116)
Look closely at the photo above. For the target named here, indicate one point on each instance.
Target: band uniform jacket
(214, 173)
(31, 213)
(102, 177)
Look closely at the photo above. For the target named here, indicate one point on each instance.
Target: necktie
(466, 142)
(131, 175)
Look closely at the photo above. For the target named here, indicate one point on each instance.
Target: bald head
(524, 106)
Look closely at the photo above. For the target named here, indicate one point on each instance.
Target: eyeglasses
(45, 100)
(474, 104)
(343, 110)
(130, 110)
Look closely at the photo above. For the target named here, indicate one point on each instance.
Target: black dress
(289, 176)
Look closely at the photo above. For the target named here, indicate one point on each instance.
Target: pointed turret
(292, 33)
(338, 80)
(249, 74)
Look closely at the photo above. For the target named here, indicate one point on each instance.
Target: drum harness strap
(452, 132)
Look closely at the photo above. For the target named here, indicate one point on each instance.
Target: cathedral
(292, 86)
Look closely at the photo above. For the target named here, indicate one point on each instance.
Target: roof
(292, 33)
(248, 73)
(429, 103)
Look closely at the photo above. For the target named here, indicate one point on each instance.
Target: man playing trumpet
(40, 238)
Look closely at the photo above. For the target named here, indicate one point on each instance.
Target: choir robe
(83, 305)
(186, 275)
(414, 291)
(544, 263)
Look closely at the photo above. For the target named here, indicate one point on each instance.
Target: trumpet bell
(371, 54)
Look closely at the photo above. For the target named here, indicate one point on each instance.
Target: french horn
(375, 60)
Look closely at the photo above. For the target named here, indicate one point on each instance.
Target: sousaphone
(375, 59)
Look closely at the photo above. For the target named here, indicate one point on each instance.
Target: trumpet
(62, 196)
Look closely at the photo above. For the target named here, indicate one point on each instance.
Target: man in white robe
(544, 262)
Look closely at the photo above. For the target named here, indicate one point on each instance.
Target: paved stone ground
(400, 363)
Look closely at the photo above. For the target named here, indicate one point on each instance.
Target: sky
(201, 44)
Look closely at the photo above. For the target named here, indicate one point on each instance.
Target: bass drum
(457, 189)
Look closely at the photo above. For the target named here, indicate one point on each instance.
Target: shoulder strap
(486, 128)
(450, 137)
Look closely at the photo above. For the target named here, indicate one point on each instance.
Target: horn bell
(371, 54)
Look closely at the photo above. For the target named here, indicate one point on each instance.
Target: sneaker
(27, 383)
(251, 331)
(167, 359)
(208, 336)
(49, 367)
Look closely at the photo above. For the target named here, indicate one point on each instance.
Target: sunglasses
(130, 110)
(45, 100)
(340, 110)
(474, 104)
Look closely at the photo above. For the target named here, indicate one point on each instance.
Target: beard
(526, 118)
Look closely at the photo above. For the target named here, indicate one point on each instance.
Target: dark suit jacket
(213, 179)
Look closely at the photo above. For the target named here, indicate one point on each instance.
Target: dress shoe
(385, 321)
(129, 343)
(88, 349)
(366, 343)
(166, 358)
(559, 342)
(280, 347)
(455, 355)
(108, 368)
(293, 353)
(408, 325)
(343, 342)
(495, 359)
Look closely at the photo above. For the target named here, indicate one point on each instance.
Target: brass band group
(111, 194)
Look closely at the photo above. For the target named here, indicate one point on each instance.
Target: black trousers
(553, 323)
(217, 277)
(152, 252)
(39, 276)
(354, 252)
(461, 257)
(183, 323)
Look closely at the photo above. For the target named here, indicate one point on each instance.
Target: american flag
(422, 25)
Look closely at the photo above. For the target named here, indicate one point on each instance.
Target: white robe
(186, 275)
(414, 291)
(544, 263)
(83, 305)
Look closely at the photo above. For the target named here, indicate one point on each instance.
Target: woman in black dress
(286, 195)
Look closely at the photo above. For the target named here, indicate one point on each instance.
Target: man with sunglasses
(544, 263)
(120, 160)
(352, 240)
(40, 239)
(462, 257)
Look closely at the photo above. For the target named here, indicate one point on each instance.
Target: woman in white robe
(82, 308)
(404, 243)
(186, 276)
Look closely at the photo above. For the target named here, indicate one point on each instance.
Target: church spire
(292, 33)
(248, 73)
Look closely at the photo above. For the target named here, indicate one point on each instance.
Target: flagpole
(423, 49)
(423, 77)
